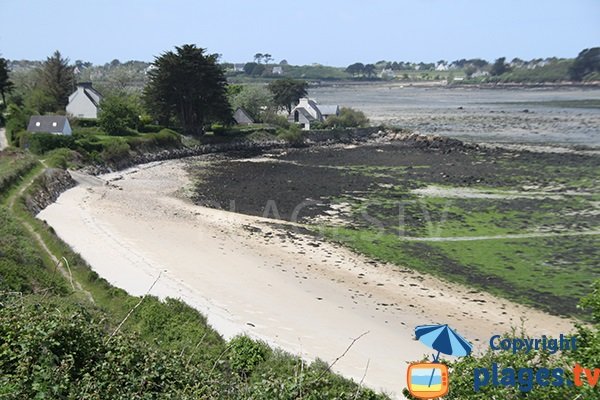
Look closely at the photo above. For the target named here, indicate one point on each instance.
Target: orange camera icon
(427, 380)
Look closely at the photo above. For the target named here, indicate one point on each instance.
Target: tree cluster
(360, 69)
(189, 86)
(586, 63)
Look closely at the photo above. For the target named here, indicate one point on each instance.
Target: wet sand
(306, 296)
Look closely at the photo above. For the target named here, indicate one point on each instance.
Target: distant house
(277, 70)
(241, 117)
(237, 67)
(387, 73)
(84, 102)
(55, 124)
(308, 111)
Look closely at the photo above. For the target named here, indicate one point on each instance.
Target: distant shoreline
(443, 84)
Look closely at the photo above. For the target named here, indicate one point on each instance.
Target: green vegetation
(14, 165)
(287, 92)
(6, 85)
(56, 81)
(348, 118)
(118, 116)
(189, 86)
(256, 100)
(586, 65)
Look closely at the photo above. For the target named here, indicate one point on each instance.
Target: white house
(277, 70)
(84, 102)
(54, 124)
(308, 111)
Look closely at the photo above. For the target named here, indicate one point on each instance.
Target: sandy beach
(300, 294)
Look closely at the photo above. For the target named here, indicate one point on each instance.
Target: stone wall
(46, 189)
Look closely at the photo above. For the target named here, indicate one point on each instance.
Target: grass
(13, 165)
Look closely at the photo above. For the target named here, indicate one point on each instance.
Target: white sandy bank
(303, 295)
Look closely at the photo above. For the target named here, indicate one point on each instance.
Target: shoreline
(305, 296)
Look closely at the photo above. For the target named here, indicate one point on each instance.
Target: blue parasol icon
(443, 339)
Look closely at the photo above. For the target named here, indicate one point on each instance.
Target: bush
(118, 116)
(115, 151)
(276, 119)
(348, 118)
(83, 122)
(166, 138)
(40, 143)
(292, 135)
(245, 354)
(61, 158)
(150, 128)
(16, 120)
(89, 145)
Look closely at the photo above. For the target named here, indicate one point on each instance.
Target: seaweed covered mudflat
(519, 224)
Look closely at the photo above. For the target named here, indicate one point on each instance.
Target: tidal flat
(518, 224)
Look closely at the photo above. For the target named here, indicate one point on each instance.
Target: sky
(329, 32)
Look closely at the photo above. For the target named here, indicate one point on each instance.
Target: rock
(48, 187)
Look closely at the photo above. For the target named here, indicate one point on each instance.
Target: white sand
(305, 296)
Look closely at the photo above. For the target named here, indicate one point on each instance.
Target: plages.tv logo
(429, 380)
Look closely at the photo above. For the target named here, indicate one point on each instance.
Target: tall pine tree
(190, 86)
(57, 80)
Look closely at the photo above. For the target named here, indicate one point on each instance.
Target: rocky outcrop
(46, 189)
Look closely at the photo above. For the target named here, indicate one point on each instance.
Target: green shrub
(292, 135)
(245, 354)
(84, 123)
(16, 120)
(60, 158)
(40, 143)
(115, 151)
(348, 118)
(118, 116)
(166, 138)
(90, 145)
(276, 119)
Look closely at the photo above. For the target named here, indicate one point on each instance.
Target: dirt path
(306, 296)
(3, 140)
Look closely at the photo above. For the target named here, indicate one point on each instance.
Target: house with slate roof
(241, 117)
(84, 102)
(55, 124)
(308, 111)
